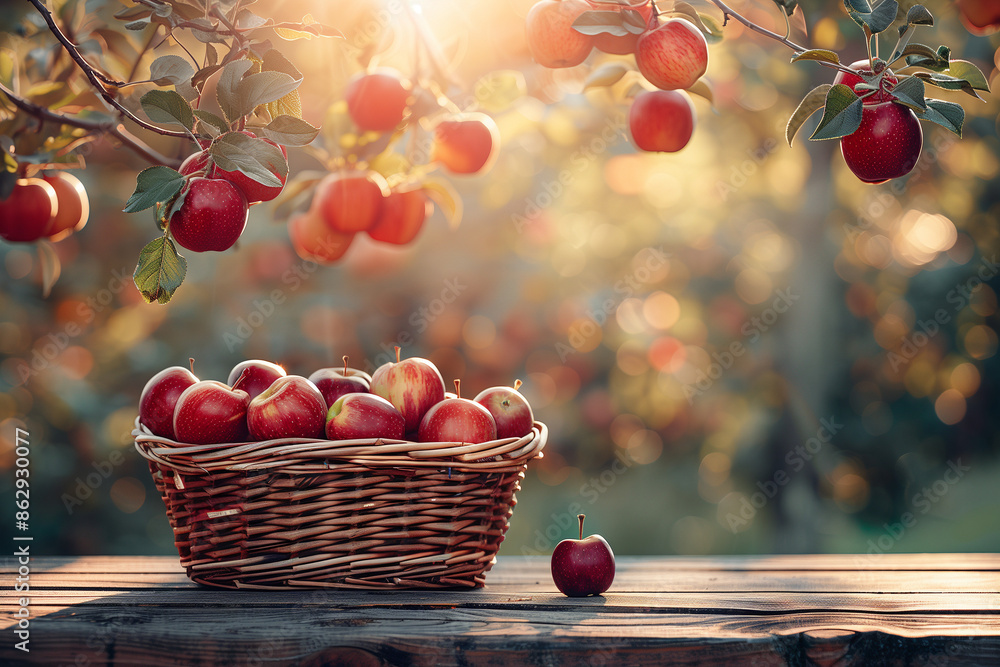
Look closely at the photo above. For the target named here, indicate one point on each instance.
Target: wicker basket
(375, 514)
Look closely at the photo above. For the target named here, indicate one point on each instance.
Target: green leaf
(209, 119)
(235, 151)
(814, 100)
(921, 50)
(691, 14)
(947, 82)
(51, 266)
(599, 22)
(262, 88)
(167, 70)
(607, 74)
(703, 88)
(841, 115)
(877, 19)
(633, 21)
(226, 92)
(919, 15)
(160, 270)
(963, 69)
(818, 54)
(910, 91)
(946, 114)
(167, 106)
(787, 6)
(290, 131)
(152, 185)
(861, 6)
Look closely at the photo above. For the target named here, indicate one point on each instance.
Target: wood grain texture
(834, 611)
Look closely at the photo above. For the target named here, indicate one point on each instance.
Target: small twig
(728, 12)
(92, 75)
(117, 130)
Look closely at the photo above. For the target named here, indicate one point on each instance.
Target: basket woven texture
(372, 514)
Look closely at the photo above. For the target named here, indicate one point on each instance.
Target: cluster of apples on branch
(401, 400)
(370, 187)
(872, 109)
(50, 206)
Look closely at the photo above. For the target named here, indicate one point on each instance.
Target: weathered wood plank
(827, 562)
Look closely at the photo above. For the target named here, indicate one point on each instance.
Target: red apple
(336, 382)
(159, 398)
(196, 163)
(510, 410)
(412, 385)
(209, 412)
(350, 202)
(403, 214)
(74, 205)
(672, 56)
(583, 567)
(254, 376)
(28, 213)
(355, 416)
(981, 17)
(551, 38)
(457, 420)
(212, 216)
(619, 45)
(314, 241)
(864, 67)
(466, 143)
(886, 145)
(661, 120)
(291, 407)
(377, 101)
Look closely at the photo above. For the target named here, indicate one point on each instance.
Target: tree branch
(94, 78)
(728, 12)
(117, 130)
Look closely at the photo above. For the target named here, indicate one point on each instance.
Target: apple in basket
(292, 407)
(254, 376)
(457, 420)
(509, 408)
(210, 412)
(412, 385)
(159, 398)
(359, 415)
(336, 382)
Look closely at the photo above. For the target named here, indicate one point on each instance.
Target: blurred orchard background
(738, 348)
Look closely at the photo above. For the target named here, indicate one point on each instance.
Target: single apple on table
(359, 415)
(292, 407)
(510, 410)
(254, 376)
(336, 382)
(159, 398)
(457, 420)
(412, 385)
(583, 567)
(210, 412)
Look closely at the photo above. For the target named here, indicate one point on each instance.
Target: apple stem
(345, 365)
(191, 363)
(398, 348)
(581, 517)
(517, 385)
(458, 387)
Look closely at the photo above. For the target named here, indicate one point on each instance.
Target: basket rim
(316, 455)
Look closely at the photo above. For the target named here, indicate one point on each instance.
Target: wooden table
(781, 610)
